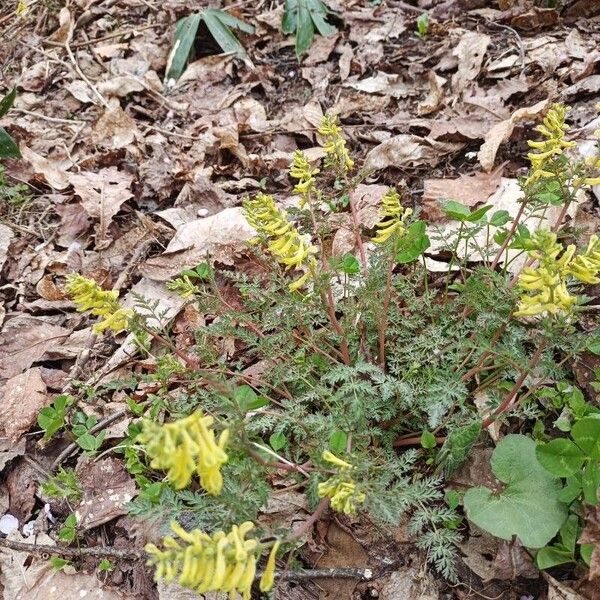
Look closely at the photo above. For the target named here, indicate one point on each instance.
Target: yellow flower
(341, 488)
(586, 267)
(545, 286)
(221, 562)
(300, 169)
(283, 240)
(335, 145)
(185, 446)
(393, 217)
(89, 296)
(268, 578)
(554, 130)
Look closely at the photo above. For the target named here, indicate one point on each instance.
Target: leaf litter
(106, 135)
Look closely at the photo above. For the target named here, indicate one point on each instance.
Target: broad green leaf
(413, 243)
(349, 264)
(590, 480)
(318, 12)
(550, 556)
(586, 551)
(586, 433)
(428, 440)
(221, 32)
(278, 441)
(229, 20)
(528, 506)
(569, 533)
(456, 210)
(288, 23)
(478, 214)
(248, 399)
(457, 446)
(7, 102)
(8, 146)
(185, 35)
(594, 347)
(571, 491)
(500, 218)
(561, 457)
(338, 441)
(305, 30)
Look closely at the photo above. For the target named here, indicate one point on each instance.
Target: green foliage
(14, 195)
(52, 418)
(8, 147)
(63, 485)
(528, 506)
(219, 23)
(105, 566)
(576, 459)
(68, 532)
(302, 18)
(423, 25)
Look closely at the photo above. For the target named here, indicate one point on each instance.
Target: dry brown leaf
(434, 97)
(121, 86)
(467, 189)
(216, 238)
(22, 398)
(345, 62)
(389, 84)
(588, 85)
(250, 115)
(500, 132)
(107, 488)
(320, 49)
(6, 236)
(54, 173)
(102, 194)
(405, 149)
(115, 128)
(25, 341)
(470, 52)
(74, 222)
(81, 91)
(10, 450)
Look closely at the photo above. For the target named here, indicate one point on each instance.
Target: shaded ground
(121, 167)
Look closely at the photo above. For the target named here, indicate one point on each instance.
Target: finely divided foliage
(327, 369)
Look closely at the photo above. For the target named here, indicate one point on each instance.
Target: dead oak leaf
(502, 131)
(53, 173)
(25, 342)
(102, 194)
(412, 150)
(107, 488)
(23, 397)
(470, 52)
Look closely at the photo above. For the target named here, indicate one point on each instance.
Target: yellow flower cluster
(393, 217)
(185, 446)
(301, 170)
(89, 296)
(341, 488)
(221, 562)
(335, 145)
(554, 129)
(545, 286)
(284, 241)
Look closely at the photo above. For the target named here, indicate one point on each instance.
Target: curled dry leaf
(405, 149)
(500, 132)
(54, 173)
(470, 52)
(102, 194)
(218, 238)
(107, 488)
(22, 398)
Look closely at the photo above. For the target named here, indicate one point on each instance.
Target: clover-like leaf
(527, 506)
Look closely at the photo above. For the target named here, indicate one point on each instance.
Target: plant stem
(384, 315)
(509, 236)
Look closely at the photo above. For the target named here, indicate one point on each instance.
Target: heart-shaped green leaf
(586, 433)
(528, 506)
(561, 457)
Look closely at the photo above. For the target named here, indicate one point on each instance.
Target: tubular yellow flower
(268, 578)
(185, 446)
(341, 488)
(221, 562)
(545, 286)
(89, 296)
(554, 130)
(393, 217)
(300, 169)
(283, 240)
(335, 145)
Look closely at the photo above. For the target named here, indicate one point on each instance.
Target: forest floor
(125, 178)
